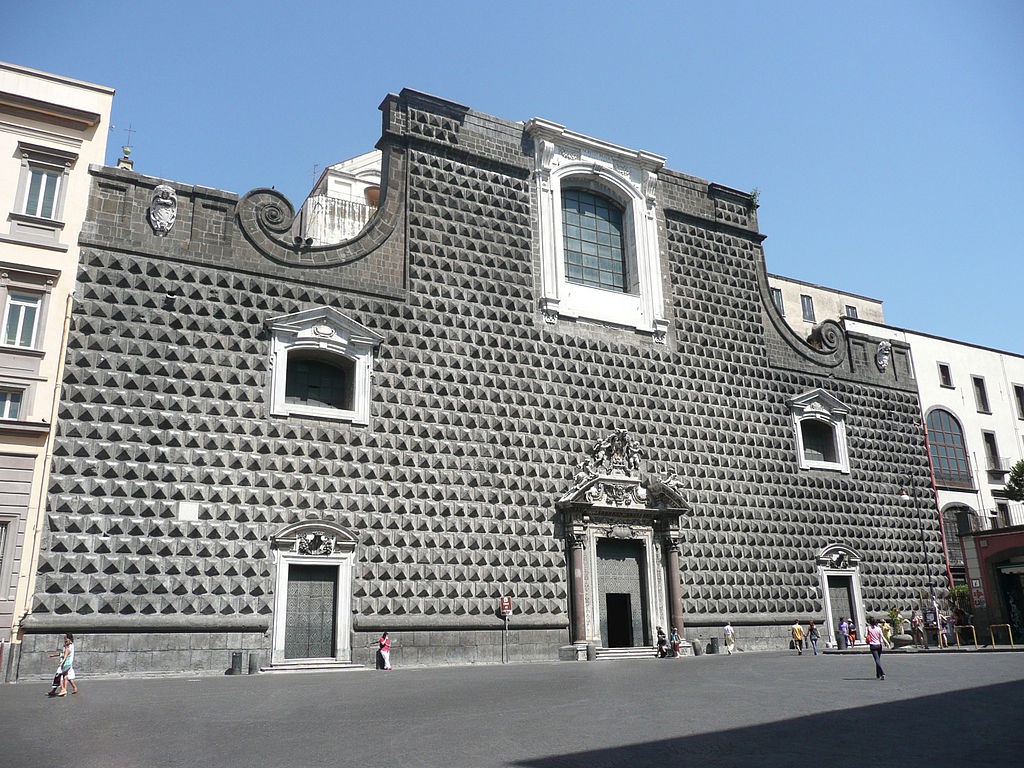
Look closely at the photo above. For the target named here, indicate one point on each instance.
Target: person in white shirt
(730, 638)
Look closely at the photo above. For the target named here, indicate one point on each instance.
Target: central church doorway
(311, 613)
(622, 593)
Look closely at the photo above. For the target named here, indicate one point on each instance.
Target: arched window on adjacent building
(593, 241)
(948, 449)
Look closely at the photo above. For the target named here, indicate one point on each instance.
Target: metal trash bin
(254, 663)
(714, 645)
(236, 663)
(698, 647)
(843, 642)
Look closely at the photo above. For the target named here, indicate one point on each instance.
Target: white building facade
(51, 129)
(973, 400)
(804, 305)
(342, 201)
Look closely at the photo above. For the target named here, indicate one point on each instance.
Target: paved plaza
(748, 709)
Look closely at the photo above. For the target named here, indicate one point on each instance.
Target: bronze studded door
(312, 604)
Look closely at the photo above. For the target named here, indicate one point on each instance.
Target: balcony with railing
(999, 464)
(1007, 515)
(327, 220)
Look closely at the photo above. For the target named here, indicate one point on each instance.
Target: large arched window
(600, 258)
(320, 381)
(593, 240)
(948, 449)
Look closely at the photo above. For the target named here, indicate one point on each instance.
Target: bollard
(714, 645)
(254, 663)
(236, 663)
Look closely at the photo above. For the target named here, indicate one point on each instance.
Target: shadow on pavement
(890, 734)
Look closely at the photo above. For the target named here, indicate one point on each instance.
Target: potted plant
(899, 637)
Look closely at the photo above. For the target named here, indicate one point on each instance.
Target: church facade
(548, 368)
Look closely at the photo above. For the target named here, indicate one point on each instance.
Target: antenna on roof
(126, 161)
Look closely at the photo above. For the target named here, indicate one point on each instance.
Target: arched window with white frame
(599, 250)
(819, 423)
(321, 366)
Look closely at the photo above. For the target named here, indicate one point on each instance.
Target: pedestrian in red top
(385, 650)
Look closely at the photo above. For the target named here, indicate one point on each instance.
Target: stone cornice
(539, 128)
(45, 623)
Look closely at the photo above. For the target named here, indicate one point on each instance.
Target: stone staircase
(616, 654)
(311, 665)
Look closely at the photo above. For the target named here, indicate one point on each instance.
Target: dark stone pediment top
(832, 350)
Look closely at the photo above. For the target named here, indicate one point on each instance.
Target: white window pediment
(819, 422)
(568, 160)
(324, 335)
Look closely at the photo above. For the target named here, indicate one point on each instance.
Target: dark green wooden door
(312, 603)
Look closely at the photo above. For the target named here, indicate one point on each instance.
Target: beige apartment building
(51, 129)
(804, 305)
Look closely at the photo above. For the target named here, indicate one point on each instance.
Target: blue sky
(885, 138)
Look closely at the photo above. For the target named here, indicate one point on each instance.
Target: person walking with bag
(875, 640)
(65, 668)
(730, 638)
(798, 638)
(676, 641)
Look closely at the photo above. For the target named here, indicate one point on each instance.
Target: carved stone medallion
(317, 543)
(163, 210)
(882, 355)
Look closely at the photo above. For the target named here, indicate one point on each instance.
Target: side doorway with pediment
(839, 575)
(313, 593)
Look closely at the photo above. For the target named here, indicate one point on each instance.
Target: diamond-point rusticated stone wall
(480, 411)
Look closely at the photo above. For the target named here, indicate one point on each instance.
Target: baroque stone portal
(624, 540)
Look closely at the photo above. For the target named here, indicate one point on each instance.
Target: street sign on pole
(506, 611)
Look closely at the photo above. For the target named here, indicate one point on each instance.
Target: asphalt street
(744, 710)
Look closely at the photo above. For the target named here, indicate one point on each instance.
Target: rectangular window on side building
(945, 376)
(851, 311)
(1018, 396)
(10, 404)
(21, 317)
(777, 298)
(980, 394)
(1002, 515)
(807, 306)
(991, 450)
(43, 192)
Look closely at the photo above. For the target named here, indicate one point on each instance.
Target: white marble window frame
(330, 334)
(567, 160)
(822, 407)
